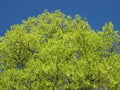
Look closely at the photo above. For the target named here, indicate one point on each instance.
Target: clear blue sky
(97, 12)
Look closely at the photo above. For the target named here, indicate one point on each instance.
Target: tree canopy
(54, 51)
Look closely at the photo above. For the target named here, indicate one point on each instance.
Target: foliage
(57, 52)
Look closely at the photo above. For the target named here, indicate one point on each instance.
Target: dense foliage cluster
(56, 52)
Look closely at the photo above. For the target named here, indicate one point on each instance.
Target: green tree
(57, 52)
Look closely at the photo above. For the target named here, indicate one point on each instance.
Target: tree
(53, 51)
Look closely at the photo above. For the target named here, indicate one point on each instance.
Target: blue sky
(97, 12)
